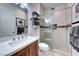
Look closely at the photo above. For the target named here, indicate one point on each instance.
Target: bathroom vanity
(28, 46)
(31, 50)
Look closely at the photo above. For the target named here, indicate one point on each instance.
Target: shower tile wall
(61, 35)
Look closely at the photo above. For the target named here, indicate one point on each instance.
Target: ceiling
(51, 5)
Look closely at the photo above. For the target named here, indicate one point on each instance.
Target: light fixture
(23, 5)
(46, 20)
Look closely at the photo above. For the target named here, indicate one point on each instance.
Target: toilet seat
(43, 46)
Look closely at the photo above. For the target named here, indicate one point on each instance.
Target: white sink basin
(16, 42)
(20, 41)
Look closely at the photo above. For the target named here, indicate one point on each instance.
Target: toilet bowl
(43, 47)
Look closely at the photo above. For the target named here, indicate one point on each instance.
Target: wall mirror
(13, 19)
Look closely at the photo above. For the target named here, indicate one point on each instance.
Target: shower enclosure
(57, 39)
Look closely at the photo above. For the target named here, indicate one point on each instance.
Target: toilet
(43, 47)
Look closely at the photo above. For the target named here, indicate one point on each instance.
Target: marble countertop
(8, 48)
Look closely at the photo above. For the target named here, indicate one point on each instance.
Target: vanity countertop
(7, 49)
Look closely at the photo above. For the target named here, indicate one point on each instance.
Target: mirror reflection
(13, 19)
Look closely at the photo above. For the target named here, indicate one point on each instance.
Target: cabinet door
(33, 49)
(23, 52)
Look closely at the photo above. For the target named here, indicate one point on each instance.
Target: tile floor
(53, 52)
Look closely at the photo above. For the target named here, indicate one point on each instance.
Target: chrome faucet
(18, 37)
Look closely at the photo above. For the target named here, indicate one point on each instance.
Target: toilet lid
(43, 45)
